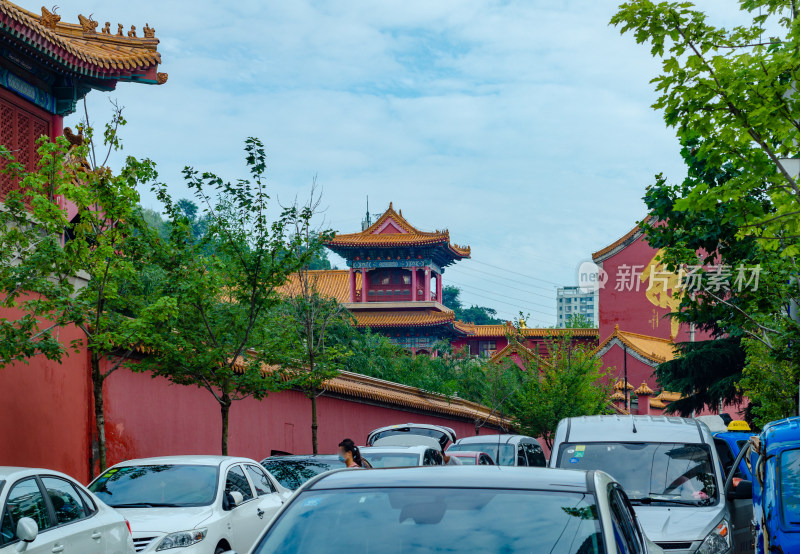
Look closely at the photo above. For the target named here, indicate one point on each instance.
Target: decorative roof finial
(50, 19)
(87, 23)
(119, 30)
(149, 32)
(390, 205)
(132, 32)
(107, 28)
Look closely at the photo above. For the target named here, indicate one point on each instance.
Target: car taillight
(128, 523)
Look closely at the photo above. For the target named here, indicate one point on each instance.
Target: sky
(523, 127)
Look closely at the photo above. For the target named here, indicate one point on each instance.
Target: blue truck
(775, 463)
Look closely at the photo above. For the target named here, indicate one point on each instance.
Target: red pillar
(363, 285)
(413, 284)
(352, 285)
(427, 296)
(439, 287)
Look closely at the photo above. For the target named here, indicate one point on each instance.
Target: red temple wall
(631, 308)
(45, 411)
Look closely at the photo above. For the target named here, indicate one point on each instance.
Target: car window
(484, 460)
(88, 503)
(261, 482)
(535, 455)
(726, 456)
(625, 534)
(436, 519)
(66, 502)
(521, 457)
(176, 486)
(507, 453)
(24, 500)
(432, 458)
(790, 487)
(293, 473)
(236, 481)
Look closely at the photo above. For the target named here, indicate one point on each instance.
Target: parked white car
(198, 504)
(45, 511)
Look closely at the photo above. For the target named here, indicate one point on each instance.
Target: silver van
(671, 473)
(505, 450)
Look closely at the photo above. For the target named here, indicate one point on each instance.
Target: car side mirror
(27, 531)
(237, 498)
(743, 490)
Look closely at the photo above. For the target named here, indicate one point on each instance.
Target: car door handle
(260, 513)
(58, 548)
(97, 535)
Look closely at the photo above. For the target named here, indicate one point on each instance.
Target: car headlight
(718, 541)
(182, 538)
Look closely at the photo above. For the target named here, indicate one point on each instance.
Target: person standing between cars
(349, 454)
(451, 460)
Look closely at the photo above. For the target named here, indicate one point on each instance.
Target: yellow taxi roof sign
(738, 425)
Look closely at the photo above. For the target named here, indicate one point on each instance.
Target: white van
(671, 473)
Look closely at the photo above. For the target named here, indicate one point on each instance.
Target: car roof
(488, 439)
(477, 477)
(378, 449)
(12, 472)
(301, 457)
(734, 434)
(781, 433)
(201, 460)
(634, 428)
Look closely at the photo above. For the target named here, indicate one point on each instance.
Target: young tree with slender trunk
(80, 272)
(225, 287)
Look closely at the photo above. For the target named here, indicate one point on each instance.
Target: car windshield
(293, 473)
(790, 486)
(391, 459)
(416, 520)
(661, 472)
(507, 451)
(148, 486)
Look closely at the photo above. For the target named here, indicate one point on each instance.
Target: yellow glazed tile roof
(402, 318)
(409, 236)
(332, 283)
(82, 46)
(669, 396)
(644, 390)
(653, 348)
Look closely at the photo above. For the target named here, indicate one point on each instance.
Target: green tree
(224, 286)
(310, 322)
(579, 321)
(772, 383)
(569, 382)
(732, 98)
(81, 272)
(479, 315)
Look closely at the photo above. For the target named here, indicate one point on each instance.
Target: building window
(487, 348)
(406, 279)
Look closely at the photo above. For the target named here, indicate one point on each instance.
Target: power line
(553, 296)
(521, 303)
(518, 273)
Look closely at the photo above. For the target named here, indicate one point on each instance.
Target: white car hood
(678, 523)
(165, 520)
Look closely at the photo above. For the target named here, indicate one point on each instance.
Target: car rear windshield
(149, 486)
(466, 460)
(293, 473)
(416, 520)
(660, 472)
(790, 487)
(508, 454)
(391, 459)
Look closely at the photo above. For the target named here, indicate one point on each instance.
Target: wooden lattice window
(19, 130)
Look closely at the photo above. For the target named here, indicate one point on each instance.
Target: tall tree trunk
(314, 424)
(99, 416)
(225, 408)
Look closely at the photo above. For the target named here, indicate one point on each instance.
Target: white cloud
(522, 126)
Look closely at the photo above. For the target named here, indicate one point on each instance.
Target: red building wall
(45, 413)
(626, 301)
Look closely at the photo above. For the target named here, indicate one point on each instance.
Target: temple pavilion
(47, 66)
(393, 286)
